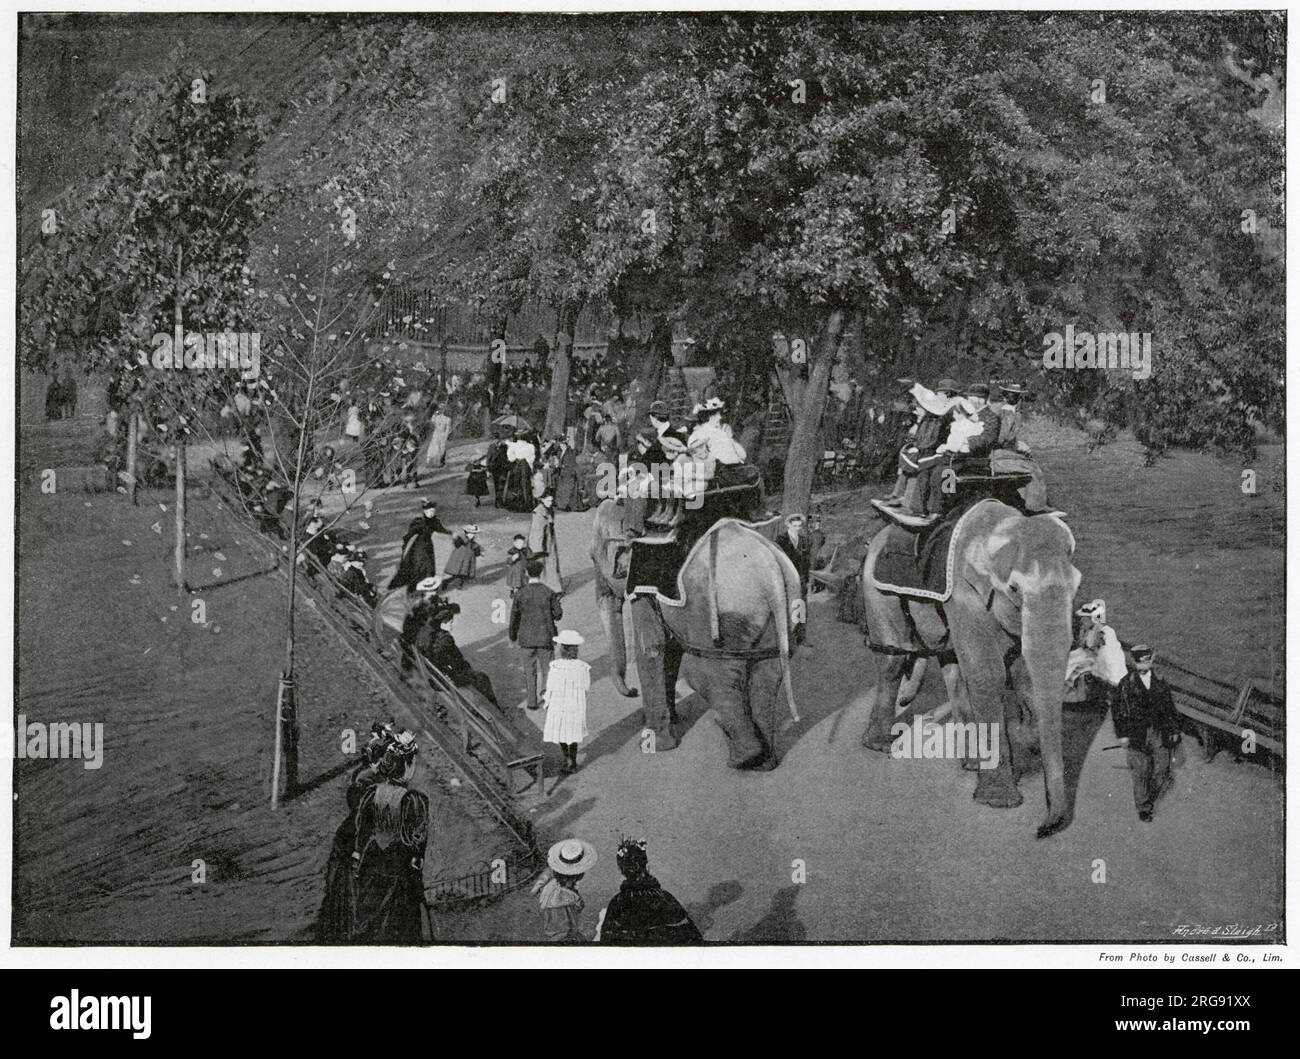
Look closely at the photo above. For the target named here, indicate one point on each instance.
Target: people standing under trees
(521, 455)
(498, 466)
(568, 488)
(476, 484)
(643, 912)
(392, 833)
(418, 560)
(542, 542)
(533, 615)
(440, 431)
(334, 922)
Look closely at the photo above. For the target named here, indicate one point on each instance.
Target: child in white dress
(567, 681)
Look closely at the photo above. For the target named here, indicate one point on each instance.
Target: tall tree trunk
(132, 453)
(286, 720)
(180, 449)
(658, 355)
(179, 555)
(558, 406)
(801, 458)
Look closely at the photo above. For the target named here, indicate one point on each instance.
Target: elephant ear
(994, 557)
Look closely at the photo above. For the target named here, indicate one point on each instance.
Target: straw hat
(571, 856)
(1094, 609)
(569, 638)
(429, 584)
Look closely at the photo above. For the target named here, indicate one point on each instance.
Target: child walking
(567, 681)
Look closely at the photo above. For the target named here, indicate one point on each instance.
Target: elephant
(1012, 596)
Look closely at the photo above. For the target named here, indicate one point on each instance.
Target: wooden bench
(827, 576)
(1215, 705)
(512, 746)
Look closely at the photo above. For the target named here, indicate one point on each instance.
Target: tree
(151, 257)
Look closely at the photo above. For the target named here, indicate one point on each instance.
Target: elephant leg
(980, 654)
(611, 618)
(672, 669)
(767, 705)
(910, 686)
(726, 687)
(889, 674)
(657, 693)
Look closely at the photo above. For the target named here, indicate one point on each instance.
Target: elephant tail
(779, 602)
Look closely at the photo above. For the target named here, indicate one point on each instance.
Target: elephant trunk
(1045, 647)
(779, 600)
(611, 618)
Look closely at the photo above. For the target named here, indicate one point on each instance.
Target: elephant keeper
(1147, 725)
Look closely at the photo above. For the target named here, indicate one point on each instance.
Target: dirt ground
(838, 844)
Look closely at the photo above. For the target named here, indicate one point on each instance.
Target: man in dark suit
(418, 560)
(533, 616)
(796, 545)
(1147, 724)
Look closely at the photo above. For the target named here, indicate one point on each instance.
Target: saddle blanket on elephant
(658, 564)
(920, 565)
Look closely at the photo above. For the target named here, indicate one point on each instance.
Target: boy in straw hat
(565, 699)
(560, 903)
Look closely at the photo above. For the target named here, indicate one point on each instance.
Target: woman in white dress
(567, 681)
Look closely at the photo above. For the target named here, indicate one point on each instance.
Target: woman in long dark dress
(334, 922)
(392, 831)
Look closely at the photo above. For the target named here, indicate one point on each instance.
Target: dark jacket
(517, 567)
(418, 560)
(533, 616)
(356, 582)
(643, 913)
(1137, 709)
(987, 440)
(800, 554)
(444, 654)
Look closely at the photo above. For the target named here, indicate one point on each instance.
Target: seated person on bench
(446, 656)
(355, 579)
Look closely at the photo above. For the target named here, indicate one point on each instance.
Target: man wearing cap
(1146, 722)
(794, 542)
(418, 561)
(447, 657)
(533, 615)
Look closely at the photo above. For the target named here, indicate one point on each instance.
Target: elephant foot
(627, 693)
(1052, 825)
(877, 741)
(998, 794)
(970, 764)
(760, 762)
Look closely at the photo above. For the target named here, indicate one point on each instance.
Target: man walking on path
(533, 615)
(1146, 722)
